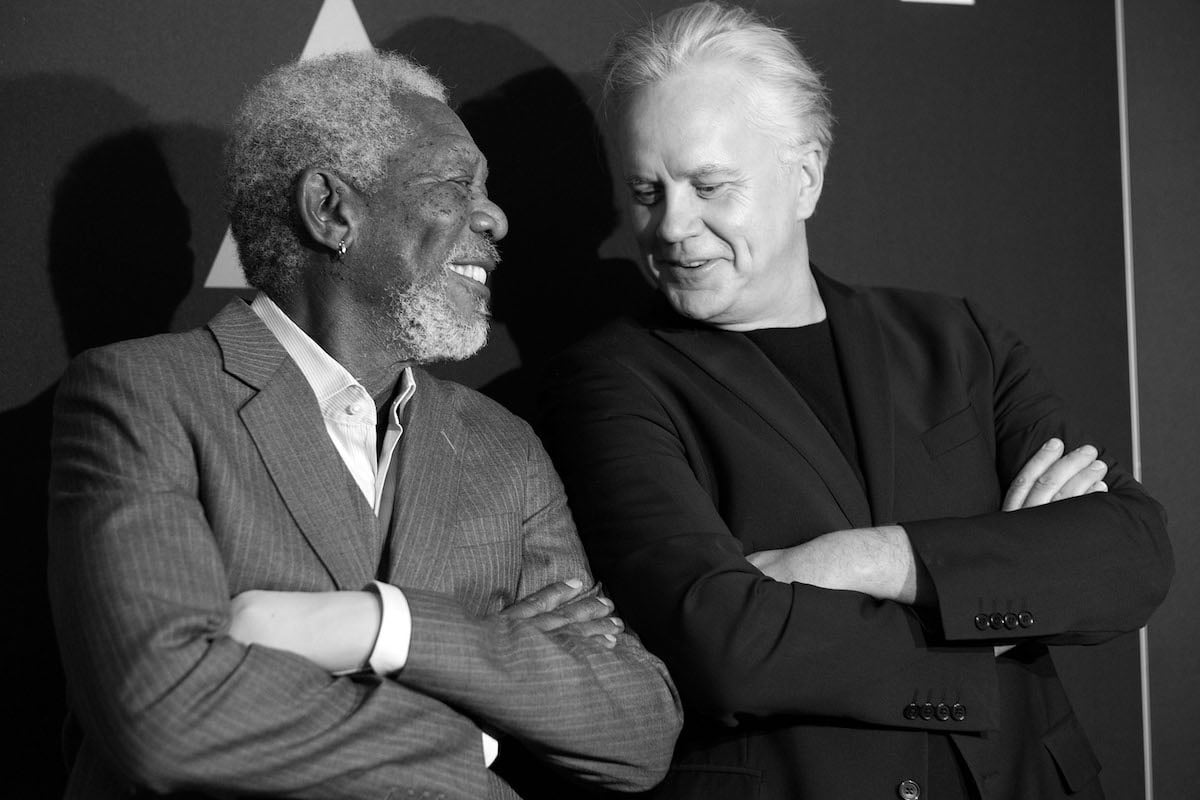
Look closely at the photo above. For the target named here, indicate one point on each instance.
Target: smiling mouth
(691, 263)
(472, 272)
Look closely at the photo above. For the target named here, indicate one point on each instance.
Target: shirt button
(354, 409)
(958, 711)
(908, 790)
(1025, 619)
(981, 621)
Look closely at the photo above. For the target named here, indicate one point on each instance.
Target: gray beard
(424, 325)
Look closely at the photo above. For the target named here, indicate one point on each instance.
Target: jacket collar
(285, 423)
(738, 365)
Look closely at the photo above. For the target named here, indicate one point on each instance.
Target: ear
(808, 162)
(331, 210)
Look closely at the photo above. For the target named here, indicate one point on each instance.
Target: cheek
(642, 220)
(436, 214)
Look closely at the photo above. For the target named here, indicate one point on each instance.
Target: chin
(700, 306)
(426, 326)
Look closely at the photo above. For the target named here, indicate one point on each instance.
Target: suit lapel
(286, 425)
(738, 365)
(862, 356)
(430, 469)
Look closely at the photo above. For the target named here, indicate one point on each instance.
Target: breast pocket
(959, 477)
(951, 433)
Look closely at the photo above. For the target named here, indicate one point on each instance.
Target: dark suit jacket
(683, 448)
(191, 467)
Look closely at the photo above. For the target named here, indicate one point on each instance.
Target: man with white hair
(850, 520)
(220, 498)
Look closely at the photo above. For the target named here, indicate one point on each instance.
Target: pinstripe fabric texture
(191, 467)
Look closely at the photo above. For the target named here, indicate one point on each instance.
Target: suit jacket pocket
(956, 430)
(1069, 747)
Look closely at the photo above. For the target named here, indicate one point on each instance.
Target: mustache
(480, 249)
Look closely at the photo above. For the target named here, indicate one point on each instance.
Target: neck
(799, 304)
(341, 331)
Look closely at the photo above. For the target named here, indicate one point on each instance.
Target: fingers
(605, 630)
(559, 607)
(544, 600)
(1050, 475)
(1083, 481)
(1037, 464)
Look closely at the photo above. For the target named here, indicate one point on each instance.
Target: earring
(341, 249)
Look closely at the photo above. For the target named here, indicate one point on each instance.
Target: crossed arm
(337, 630)
(880, 561)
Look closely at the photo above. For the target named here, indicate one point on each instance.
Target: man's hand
(559, 607)
(1049, 476)
(333, 629)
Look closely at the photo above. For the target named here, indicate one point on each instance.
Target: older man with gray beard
(285, 561)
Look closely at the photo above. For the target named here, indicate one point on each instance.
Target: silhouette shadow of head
(548, 171)
(119, 256)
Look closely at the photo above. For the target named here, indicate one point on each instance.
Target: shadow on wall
(549, 172)
(119, 261)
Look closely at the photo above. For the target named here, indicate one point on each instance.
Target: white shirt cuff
(491, 749)
(395, 630)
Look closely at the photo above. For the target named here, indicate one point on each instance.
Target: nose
(488, 218)
(680, 219)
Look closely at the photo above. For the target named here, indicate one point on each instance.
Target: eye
(645, 194)
(707, 190)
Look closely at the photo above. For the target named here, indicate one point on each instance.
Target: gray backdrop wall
(977, 152)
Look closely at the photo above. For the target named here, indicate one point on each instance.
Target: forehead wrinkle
(706, 170)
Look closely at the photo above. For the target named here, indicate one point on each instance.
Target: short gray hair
(336, 112)
(792, 87)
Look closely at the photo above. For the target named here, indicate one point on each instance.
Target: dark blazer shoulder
(891, 300)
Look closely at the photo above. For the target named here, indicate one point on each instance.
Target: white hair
(343, 113)
(789, 100)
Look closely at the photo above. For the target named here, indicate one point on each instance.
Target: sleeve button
(981, 621)
(1011, 620)
(959, 712)
(912, 711)
(928, 711)
(1025, 619)
(943, 712)
(996, 621)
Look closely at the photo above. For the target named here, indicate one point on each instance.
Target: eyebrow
(702, 171)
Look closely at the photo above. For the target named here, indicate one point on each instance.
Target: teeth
(471, 271)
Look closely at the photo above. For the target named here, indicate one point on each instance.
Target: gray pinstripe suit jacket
(191, 467)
